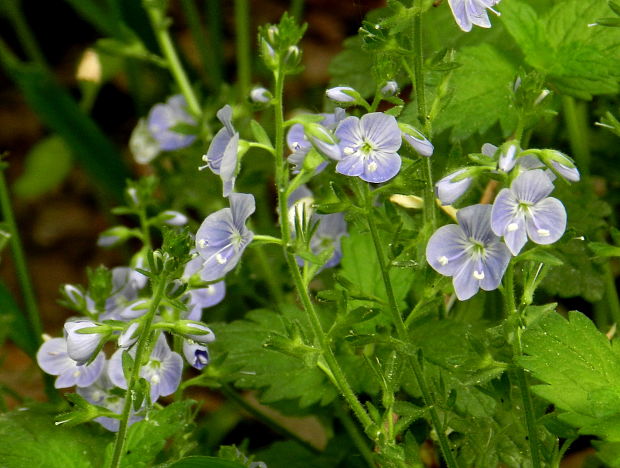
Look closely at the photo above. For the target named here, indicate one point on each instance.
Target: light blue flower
(164, 117)
(469, 252)
(196, 354)
(369, 147)
(54, 359)
(221, 156)
(81, 346)
(414, 138)
(390, 88)
(342, 94)
(470, 12)
(223, 236)
(524, 210)
(162, 371)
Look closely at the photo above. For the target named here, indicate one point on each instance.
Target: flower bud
(342, 94)
(82, 346)
(173, 218)
(416, 140)
(323, 140)
(195, 331)
(508, 156)
(197, 355)
(561, 163)
(448, 191)
(129, 336)
(260, 95)
(389, 89)
(114, 236)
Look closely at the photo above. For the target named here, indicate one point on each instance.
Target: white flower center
(443, 260)
(372, 167)
(76, 373)
(220, 259)
(155, 379)
(512, 227)
(479, 275)
(543, 232)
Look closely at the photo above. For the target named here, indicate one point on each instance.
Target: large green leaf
(580, 371)
(31, 439)
(481, 91)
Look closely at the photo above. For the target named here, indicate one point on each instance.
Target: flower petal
(381, 167)
(445, 251)
(531, 186)
(547, 222)
(465, 281)
(351, 165)
(382, 131)
(53, 358)
(242, 206)
(494, 264)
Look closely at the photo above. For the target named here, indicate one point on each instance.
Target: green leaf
(580, 369)
(147, 438)
(353, 67)
(577, 59)
(30, 438)
(47, 164)
(485, 98)
(260, 134)
(602, 249)
(205, 462)
(15, 324)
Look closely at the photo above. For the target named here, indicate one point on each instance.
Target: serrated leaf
(580, 369)
(147, 438)
(47, 164)
(30, 438)
(485, 98)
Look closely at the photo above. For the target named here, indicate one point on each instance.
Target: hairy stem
(526, 396)
(143, 339)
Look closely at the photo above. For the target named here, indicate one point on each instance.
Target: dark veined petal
(228, 167)
(508, 221)
(166, 378)
(90, 373)
(53, 358)
(242, 205)
(352, 165)
(446, 250)
(460, 15)
(218, 264)
(380, 167)
(466, 281)
(547, 222)
(475, 220)
(531, 186)
(214, 232)
(382, 131)
(349, 133)
(494, 264)
(224, 115)
(216, 150)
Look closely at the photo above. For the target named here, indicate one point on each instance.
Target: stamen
(155, 379)
(77, 373)
(479, 275)
(348, 150)
(220, 259)
(372, 167)
(203, 243)
(202, 358)
(296, 146)
(512, 227)
(443, 260)
(210, 290)
(543, 232)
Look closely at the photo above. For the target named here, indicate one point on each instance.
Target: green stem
(611, 293)
(214, 27)
(231, 394)
(526, 396)
(576, 123)
(297, 9)
(23, 32)
(198, 34)
(281, 185)
(355, 435)
(267, 239)
(143, 341)
(160, 28)
(397, 319)
(19, 259)
(242, 28)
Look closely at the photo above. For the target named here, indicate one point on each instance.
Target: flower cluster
(472, 252)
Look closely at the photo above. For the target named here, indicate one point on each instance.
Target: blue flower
(223, 236)
(54, 359)
(162, 371)
(260, 95)
(390, 88)
(342, 94)
(300, 143)
(205, 297)
(469, 252)
(416, 140)
(221, 156)
(369, 147)
(164, 117)
(196, 354)
(524, 210)
(470, 12)
(449, 190)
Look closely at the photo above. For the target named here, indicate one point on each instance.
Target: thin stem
(297, 9)
(281, 184)
(242, 27)
(611, 293)
(526, 396)
(231, 394)
(19, 259)
(214, 28)
(162, 34)
(355, 435)
(192, 17)
(267, 239)
(576, 123)
(397, 319)
(119, 441)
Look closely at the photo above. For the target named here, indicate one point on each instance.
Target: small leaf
(260, 134)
